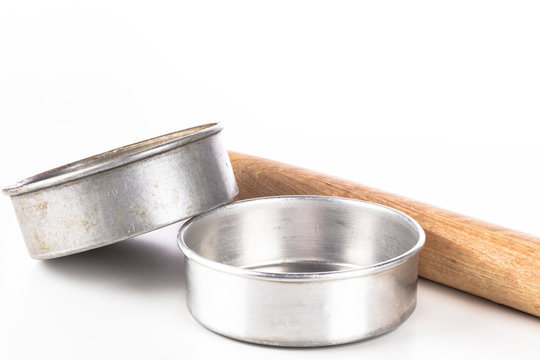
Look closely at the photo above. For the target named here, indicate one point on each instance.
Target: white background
(438, 101)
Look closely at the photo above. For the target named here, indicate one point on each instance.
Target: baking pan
(124, 192)
(301, 270)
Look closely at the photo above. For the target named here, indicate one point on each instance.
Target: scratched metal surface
(133, 193)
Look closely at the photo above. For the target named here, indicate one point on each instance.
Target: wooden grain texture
(483, 259)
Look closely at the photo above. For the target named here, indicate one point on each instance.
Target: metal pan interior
(301, 237)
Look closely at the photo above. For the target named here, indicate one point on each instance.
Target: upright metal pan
(301, 270)
(123, 193)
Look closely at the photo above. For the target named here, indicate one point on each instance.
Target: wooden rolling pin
(486, 260)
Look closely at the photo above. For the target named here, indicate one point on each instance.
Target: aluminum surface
(301, 270)
(124, 192)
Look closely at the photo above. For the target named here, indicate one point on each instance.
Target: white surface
(435, 101)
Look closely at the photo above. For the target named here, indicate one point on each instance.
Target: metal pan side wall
(301, 314)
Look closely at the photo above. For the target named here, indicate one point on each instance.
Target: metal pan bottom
(300, 266)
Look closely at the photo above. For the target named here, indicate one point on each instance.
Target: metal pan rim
(302, 277)
(111, 159)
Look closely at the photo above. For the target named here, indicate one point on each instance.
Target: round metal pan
(301, 270)
(124, 192)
